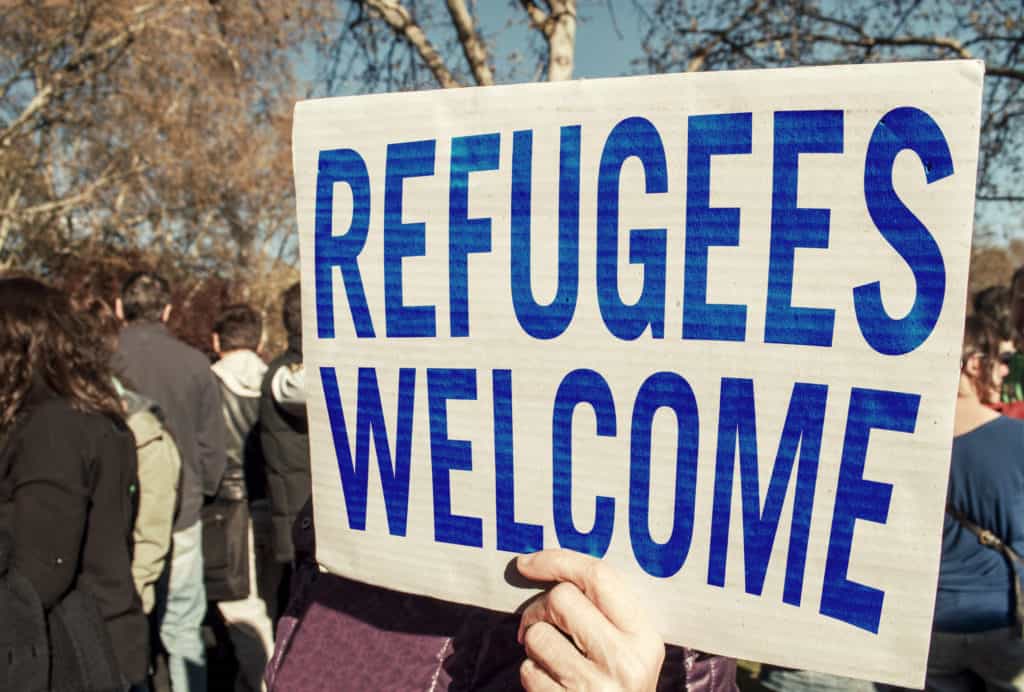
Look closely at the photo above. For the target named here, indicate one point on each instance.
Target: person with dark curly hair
(68, 487)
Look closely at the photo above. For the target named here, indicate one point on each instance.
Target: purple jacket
(342, 634)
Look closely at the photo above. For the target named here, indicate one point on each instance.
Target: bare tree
(391, 45)
(156, 125)
(689, 35)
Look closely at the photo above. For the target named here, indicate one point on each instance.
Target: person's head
(993, 304)
(238, 327)
(291, 310)
(144, 296)
(43, 339)
(983, 360)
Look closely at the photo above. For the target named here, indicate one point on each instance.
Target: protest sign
(705, 326)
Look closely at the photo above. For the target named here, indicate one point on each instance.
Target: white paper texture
(899, 557)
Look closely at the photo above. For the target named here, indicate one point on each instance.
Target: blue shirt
(986, 482)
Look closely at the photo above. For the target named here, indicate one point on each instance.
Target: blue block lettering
(631, 137)
(546, 321)
(447, 455)
(370, 422)
(404, 160)
(707, 226)
(899, 129)
(466, 235)
(797, 132)
(859, 498)
(513, 536)
(805, 420)
(663, 389)
(329, 250)
(580, 386)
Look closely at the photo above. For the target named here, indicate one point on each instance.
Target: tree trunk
(561, 39)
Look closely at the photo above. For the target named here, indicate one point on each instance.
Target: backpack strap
(1013, 558)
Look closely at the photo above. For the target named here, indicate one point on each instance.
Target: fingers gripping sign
(586, 632)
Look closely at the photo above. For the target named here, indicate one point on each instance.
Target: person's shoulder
(1010, 423)
(189, 356)
(55, 429)
(57, 413)
(281, 360)
(1004, 436)
(1015, 427)
(144, 423)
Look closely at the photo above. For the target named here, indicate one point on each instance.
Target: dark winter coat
(72, 477)
(285, 441)
(177, 377)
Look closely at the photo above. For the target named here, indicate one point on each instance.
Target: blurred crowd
(146, 496)
(156, 524)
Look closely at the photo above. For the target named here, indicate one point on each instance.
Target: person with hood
(245, 585)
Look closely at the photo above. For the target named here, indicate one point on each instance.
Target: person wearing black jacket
(68, 484)
(178, 378)
(284, 436)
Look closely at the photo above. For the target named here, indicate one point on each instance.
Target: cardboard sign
(705, 326)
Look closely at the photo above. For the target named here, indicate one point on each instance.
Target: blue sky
(601, 51)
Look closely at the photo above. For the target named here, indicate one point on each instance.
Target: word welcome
(856, 497)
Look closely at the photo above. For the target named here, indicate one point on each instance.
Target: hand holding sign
(616, 646)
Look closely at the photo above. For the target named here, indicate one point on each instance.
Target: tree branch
(700, 55)
(559, 30)
(74, 70)
(58, 205)
(401, 22)
(472, 46)
(538, 17)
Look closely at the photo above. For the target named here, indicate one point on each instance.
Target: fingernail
(524, 560)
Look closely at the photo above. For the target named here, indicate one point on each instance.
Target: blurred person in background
(159, 463)
(994, 305)
(284, 436)
(246, 577)
(178, 378)
(976, 638)
(68, 489)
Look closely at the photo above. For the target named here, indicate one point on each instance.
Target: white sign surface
(705, 326)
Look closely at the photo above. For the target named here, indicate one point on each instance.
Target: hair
(993, 304)
(980, 339)
(291, 310)
(239, 326)
(101, 319)
(42, 337)
(144, 295)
